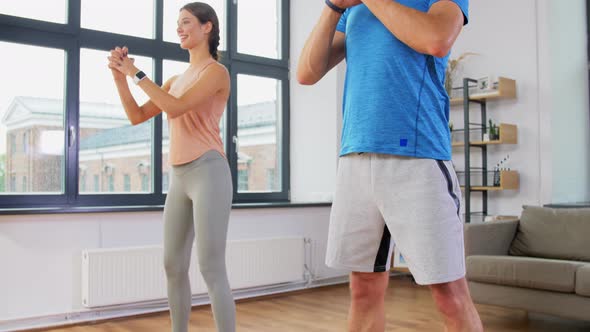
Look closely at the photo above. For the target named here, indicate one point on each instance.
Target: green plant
(493, 130)
(451, 71)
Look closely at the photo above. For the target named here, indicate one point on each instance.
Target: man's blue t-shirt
(394, 97)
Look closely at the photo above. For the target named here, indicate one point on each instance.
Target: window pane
(110, 146)
(169, 69)
(144, 182)
(243, 179)
(259, 142)
(83, 183)
(127, 182)
(129, 17)
(259, 28)
(46, 10)
(31, 120)
(172, 8)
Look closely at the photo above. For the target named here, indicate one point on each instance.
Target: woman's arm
(135, 113)
(138, 114)
(213, 79)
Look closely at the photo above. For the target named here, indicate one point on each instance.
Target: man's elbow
(438, 48)
(305, 77)
(439, 44)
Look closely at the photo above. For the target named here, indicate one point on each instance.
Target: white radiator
(128, 275)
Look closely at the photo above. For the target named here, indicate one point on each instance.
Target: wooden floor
(409, 308)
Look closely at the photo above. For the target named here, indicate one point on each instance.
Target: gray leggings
(199, 198)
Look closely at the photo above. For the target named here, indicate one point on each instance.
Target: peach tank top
(196, 131)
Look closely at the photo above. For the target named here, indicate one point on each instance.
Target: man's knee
(368, 286)
(451, 297)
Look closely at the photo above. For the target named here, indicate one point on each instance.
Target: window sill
(113, 209)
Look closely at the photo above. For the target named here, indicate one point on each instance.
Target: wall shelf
(509, 180)
(506, 90)
(508, 135)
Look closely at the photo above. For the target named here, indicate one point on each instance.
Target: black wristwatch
(334, 7)
(140, 75)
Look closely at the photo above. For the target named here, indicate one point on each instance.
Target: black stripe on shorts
(447, 176)
(383, 252)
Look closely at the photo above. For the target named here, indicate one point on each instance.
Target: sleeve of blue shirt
(342, 22)
(463, 4)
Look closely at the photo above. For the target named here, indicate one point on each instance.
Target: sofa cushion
(553, 233)
(583, 280)
(528, 272)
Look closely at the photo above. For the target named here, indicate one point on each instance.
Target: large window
(32, 113)
(65, 140)
(107, 139)
(128, 17)
(259, 28)
(51, 11)
(259, 141)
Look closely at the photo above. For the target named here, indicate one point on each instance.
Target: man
(396, 183)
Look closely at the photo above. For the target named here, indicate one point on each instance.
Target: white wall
(568, 81)
(40, 254)
(504, 34)
(46, 248)
(314, 121)
(542, 46)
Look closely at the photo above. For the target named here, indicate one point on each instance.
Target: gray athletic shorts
(385, 200)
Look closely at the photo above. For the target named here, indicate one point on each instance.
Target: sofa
(540, 263)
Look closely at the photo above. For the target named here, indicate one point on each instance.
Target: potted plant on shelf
(493, 131)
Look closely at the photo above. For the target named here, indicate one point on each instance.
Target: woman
(200, 192)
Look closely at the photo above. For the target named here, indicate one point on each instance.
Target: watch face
(140, 74)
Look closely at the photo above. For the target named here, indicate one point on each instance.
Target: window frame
(244, 68)
(71, 38)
